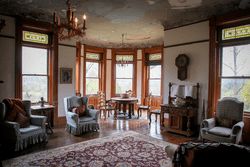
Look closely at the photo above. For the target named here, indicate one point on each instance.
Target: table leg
(130, 111)
(124, 108)
(49, 125)
(162, 119)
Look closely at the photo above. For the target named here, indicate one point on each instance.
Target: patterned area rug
(128, 149)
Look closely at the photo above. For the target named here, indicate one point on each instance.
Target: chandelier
(70, 25)
(122, 62)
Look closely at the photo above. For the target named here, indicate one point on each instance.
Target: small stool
(156, 112)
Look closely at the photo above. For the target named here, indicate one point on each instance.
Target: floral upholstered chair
(19, 127)
(80, 117)
(228, 124)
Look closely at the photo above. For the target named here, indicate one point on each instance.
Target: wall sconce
(2, 24)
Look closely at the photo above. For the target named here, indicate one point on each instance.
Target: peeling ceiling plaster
(142, 21)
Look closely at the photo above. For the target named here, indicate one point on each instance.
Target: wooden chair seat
(143, 107)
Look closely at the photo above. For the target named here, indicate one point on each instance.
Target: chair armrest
(237, 127)
(72, 116)
(10, 127)
(38, 120)
(209, 123)
(94, 113)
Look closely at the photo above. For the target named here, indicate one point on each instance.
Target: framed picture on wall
(66, 75)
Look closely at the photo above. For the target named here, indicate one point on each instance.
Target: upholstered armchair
(227, 125)
(20, 137)
(77, 124)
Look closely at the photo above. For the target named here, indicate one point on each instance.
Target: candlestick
(54, 17)
(84, 21)
(76, 20)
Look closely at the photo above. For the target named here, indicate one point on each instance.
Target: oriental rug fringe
(128, 149)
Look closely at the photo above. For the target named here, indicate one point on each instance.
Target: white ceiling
(142, 21)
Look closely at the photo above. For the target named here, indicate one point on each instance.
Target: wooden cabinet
(182, 120)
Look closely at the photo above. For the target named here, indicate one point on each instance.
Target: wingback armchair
(76, 124)
(227, 125)
(21, 137)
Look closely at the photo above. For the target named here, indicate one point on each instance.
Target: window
(124, 78)
(124, 73)
(124, 68)
(235, 72)
(34, 73)
(92, 73)
(154, 83)
(35, 66)
(154, 74)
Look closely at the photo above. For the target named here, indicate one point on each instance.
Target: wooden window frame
(145, 72)
(49, 65)
(113, 72)
(37, 26)
(102, 67)
(216, 23)
(99, 72)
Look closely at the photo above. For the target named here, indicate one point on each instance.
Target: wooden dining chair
(104, 105)
(139, 111)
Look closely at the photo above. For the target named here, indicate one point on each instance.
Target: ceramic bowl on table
(125, 95)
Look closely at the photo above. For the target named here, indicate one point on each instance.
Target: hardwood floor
(60, 137)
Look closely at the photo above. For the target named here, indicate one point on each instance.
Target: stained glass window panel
(154, 57)
(124, 57)
(92, 56)
(35, 37)
(236, 32)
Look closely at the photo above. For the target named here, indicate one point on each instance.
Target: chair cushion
(229, 123)
(79, 110)
(12, 113)
(143, 107)
(156, 111)
(220, 131)
(86, 119)
(29, 129)
(22, 120)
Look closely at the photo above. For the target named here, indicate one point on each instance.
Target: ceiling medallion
(70, 25)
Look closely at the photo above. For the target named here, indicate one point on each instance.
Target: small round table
(125, 102)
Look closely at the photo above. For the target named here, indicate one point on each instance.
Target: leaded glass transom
(154, 57)
(124, 57)
(236, 32)
(35, 37)
(93, 56)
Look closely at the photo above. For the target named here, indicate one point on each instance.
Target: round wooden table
(125, 102)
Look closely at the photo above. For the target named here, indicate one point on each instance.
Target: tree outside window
(235, 73)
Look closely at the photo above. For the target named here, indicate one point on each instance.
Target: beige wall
(67, 59)
(7, 58)
(198, 54)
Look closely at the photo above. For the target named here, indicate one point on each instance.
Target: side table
(45, 110)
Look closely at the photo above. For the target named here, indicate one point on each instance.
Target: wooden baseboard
(60, 121)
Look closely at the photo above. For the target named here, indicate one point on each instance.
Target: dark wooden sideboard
(182, 120)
